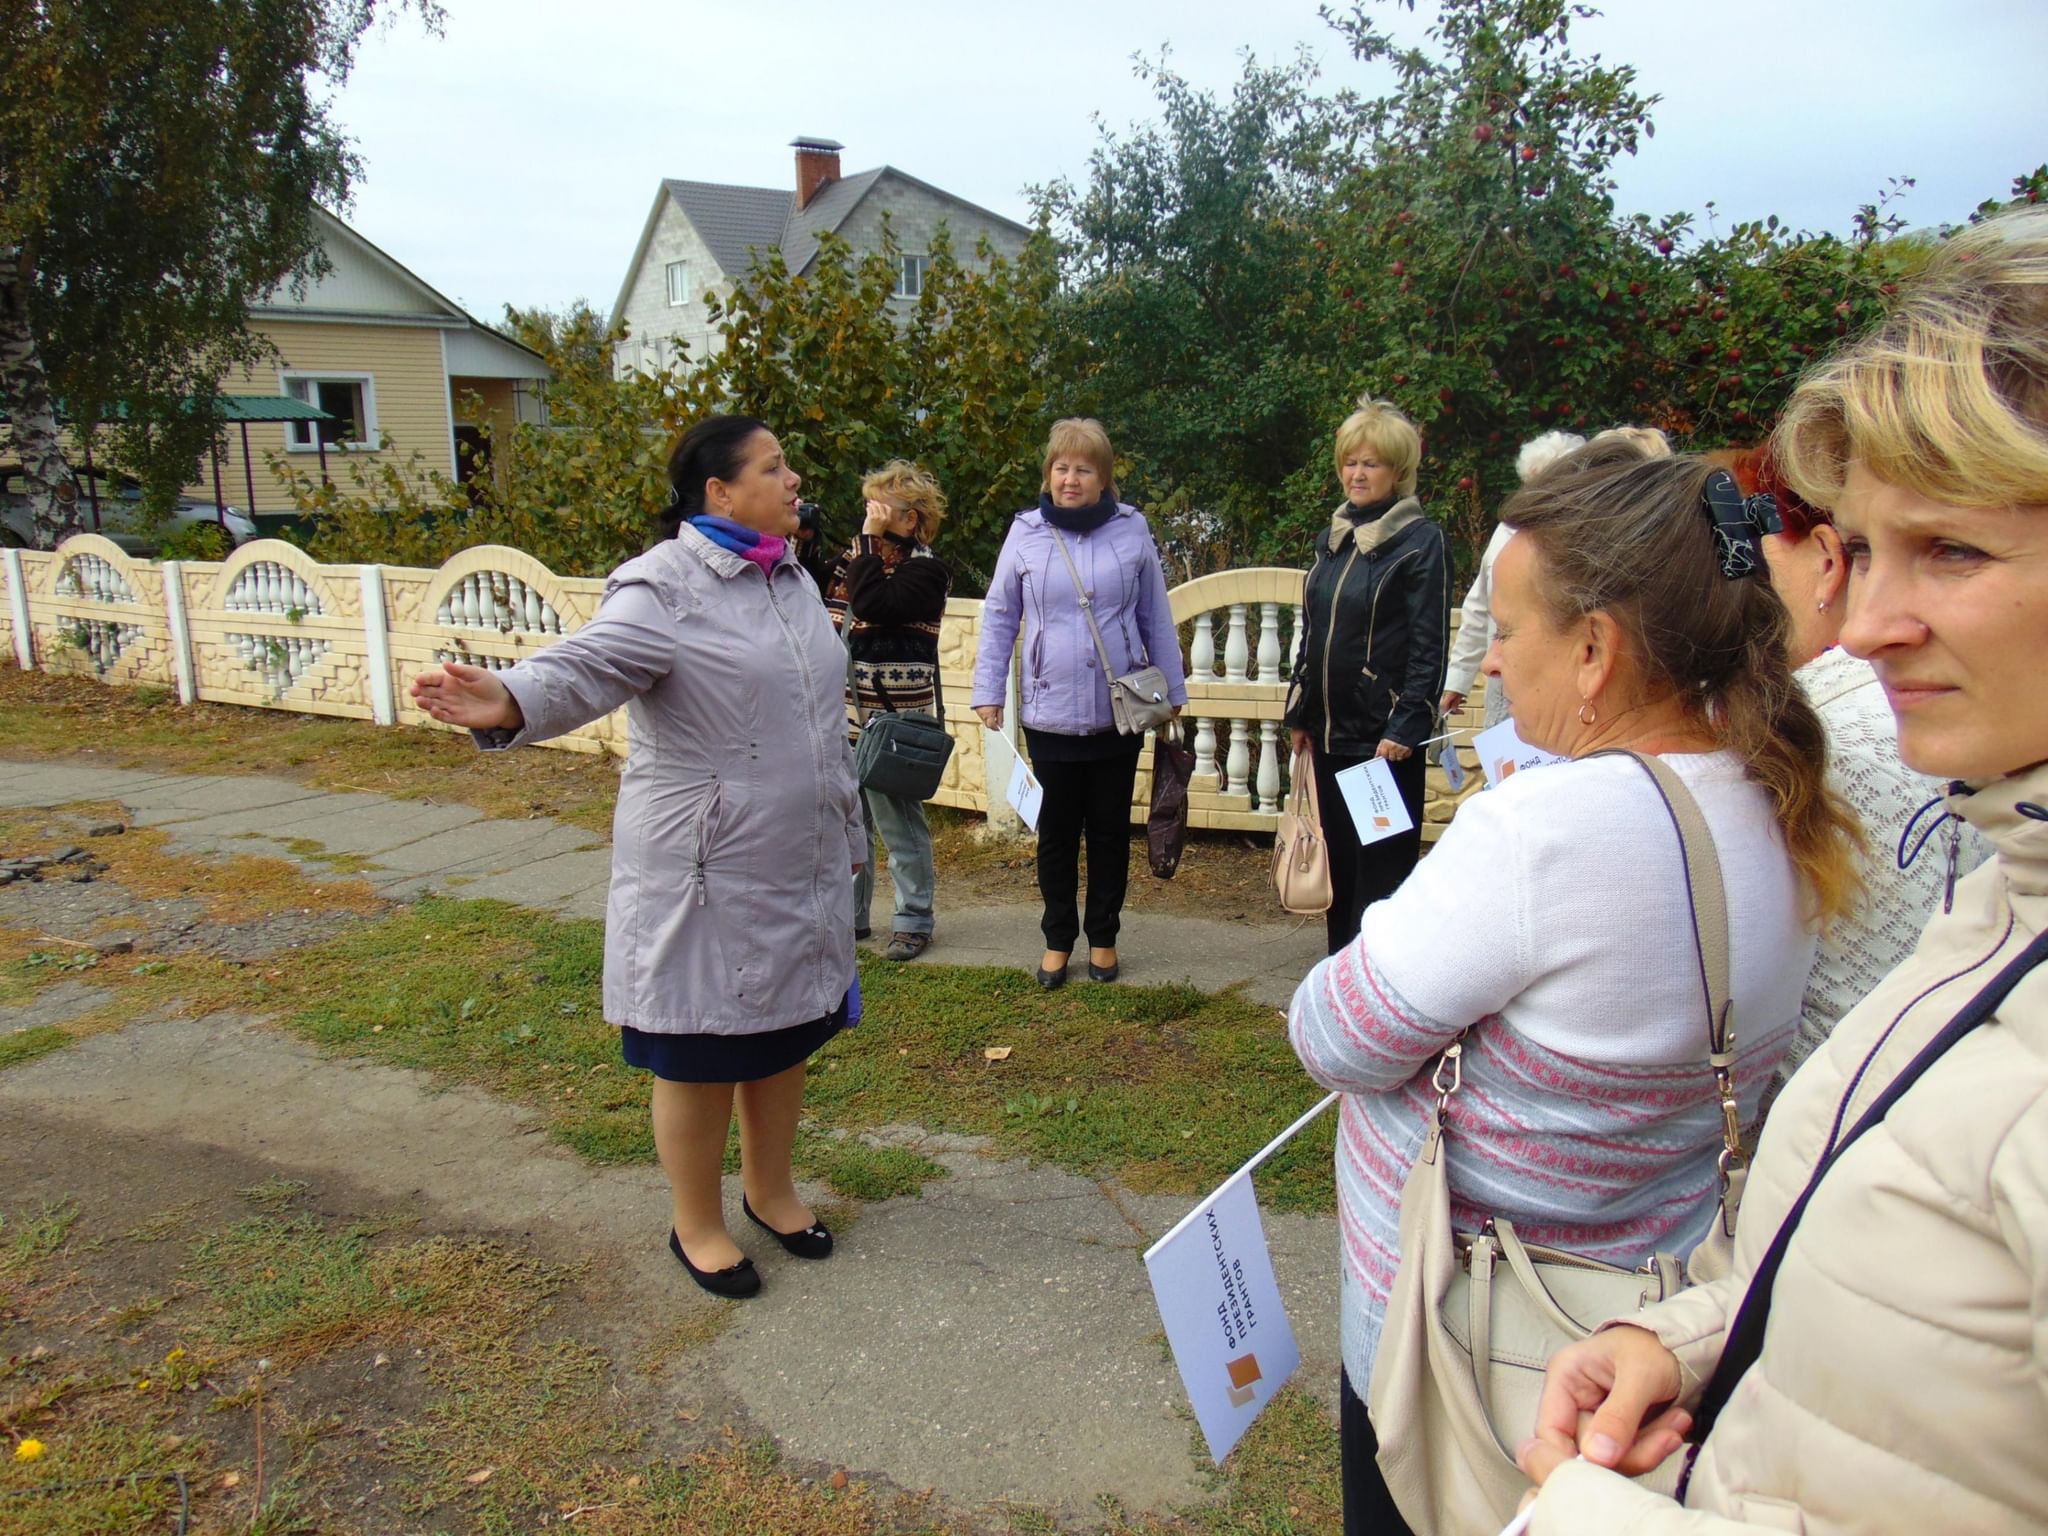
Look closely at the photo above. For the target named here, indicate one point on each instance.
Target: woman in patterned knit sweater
(1588, 1112)
(1903, 884)
(887, 594)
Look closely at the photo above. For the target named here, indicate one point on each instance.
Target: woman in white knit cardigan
(1588, 1114)
(1915, 849)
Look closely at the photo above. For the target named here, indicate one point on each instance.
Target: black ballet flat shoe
(1104, 972)
(814, 1242)
(1052, 981)
(734, 1282)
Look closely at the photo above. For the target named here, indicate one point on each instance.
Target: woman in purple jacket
(1088, 770)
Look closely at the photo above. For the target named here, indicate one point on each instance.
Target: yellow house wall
(411, 405)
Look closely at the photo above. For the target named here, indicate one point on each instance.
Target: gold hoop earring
(1588, 715)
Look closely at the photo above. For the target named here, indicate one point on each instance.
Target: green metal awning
(237, 408)
(269, 408)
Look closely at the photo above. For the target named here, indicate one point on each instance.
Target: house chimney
(817, 167)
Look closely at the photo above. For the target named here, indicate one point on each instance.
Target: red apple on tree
(1483, 133)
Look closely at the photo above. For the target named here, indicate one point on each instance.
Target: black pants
(1094, 797)
(1360, 876)
(1369, 1509)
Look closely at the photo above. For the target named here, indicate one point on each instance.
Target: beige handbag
(1301, 860)
(1475, 1317)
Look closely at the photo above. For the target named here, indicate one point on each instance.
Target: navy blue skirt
(728, 1058)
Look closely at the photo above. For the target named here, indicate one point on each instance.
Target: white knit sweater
(1860, 950)
(1552, 920)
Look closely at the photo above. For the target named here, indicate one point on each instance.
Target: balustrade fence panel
(274, 629)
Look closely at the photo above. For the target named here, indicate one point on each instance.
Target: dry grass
(59, 717)
(1225, 874)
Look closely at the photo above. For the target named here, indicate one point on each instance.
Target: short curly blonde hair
(912, 488)
(1648, 441)
(1948, 395)
(1080, 437)
(1380, 426)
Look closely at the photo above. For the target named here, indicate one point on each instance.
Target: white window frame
(911, 270)
(313, 377)
(677, 276)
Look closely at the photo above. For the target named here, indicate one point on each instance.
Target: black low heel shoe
(1104, 972)
(814, 1242)
(734, 1282)
(1052, 981)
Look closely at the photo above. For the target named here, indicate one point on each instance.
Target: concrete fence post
(181, 632)
(377, 641)
(17, 603)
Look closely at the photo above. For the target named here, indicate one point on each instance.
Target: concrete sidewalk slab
(993, 1340)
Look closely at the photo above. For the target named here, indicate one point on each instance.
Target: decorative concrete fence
(273, 629)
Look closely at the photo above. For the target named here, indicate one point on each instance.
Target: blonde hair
(1080, 437)
(1647, 441)
(1615, 532)
(1539, 453)
(1380, 426)
(912, 488)
(1948, 395)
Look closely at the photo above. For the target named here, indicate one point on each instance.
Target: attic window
(910, 279)
(678, 283)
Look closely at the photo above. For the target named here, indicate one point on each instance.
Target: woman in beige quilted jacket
(1902, 1382)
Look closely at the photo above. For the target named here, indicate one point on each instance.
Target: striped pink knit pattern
(1614, 1162)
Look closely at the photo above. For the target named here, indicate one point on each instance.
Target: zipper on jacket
(803, 663)
(1330, 637)
(1372, 619)
(705, 819)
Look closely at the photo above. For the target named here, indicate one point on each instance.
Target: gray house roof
(734, 222)
(731, 220)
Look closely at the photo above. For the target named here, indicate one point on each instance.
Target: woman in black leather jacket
(1372, 666)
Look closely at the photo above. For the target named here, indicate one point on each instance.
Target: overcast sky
(514, 158)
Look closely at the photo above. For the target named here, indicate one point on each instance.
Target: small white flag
(1374, 800)
(1502, 752)
(1025, 793)
(1213, 1279)
(1453, 765)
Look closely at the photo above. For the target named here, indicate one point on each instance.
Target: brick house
(701, 237)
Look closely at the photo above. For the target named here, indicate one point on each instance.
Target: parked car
(120, 518)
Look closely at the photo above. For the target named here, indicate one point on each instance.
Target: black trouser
(1095, 796)
(1360, 876)
(1369, 1509)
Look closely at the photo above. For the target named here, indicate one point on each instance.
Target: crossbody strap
(1707, 898)
(1087, 608)
(1746, 1335)
(1708, 894)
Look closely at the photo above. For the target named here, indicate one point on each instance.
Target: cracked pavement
(994, 1340)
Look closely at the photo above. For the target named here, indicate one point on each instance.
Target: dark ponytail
(1616, 533)
(714, 449)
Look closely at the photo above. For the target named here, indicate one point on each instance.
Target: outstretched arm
(622, 652)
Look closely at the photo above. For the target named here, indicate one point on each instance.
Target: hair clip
(1739, 521)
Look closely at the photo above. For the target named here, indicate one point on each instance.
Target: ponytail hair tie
(1739, 521)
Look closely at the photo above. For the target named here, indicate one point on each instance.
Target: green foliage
(160, 162)
(1247, 270)
(823, 356)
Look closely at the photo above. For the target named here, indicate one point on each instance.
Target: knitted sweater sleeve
(910, 592)
(1380, 1010)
